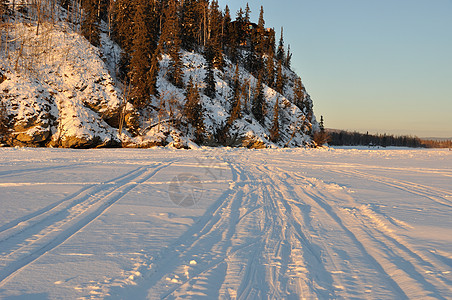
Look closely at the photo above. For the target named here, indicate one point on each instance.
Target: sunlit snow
(225, 223)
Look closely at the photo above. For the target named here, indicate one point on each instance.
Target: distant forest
(347, 138)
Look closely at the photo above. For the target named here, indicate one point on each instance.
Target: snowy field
(225, 223)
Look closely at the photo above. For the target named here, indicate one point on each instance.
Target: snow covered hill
(58, 90)
(218, 223)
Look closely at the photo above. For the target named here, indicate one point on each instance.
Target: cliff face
(58, 90)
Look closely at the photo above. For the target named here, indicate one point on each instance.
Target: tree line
(347, 138)
(146, 30)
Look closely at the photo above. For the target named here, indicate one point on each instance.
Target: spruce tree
(251, 59)
(260, 39)
(140, 57)
(240, 24)
(190, 24)
(210, 89)
(193, 111)
(299, 94)
(288, 60)
(90, 22)
(274, 131)
(280, 55)
(214, 40)
(143, 63)
(280, 80)
(270, 70)
(170, 42)
(226, 36)
(247, 17)
(235, 111)
(153, 74)
(123, 13)
(259, 108)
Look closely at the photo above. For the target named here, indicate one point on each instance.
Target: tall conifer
(280, 80)
(280, 55)
(170, 42)
(140, 57)
(259, 108)
(193, 111)
(190, 24)
(274, 131)
(90, 22)
(299, 95)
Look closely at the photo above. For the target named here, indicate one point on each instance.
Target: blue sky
(380, 66)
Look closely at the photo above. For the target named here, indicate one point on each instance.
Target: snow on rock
(61, 91)
(58, 91)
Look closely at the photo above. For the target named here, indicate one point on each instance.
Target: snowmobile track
(45, 231)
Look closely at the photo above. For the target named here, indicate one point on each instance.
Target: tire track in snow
(209, 244)
(436, 195)
(399, 261)
(226, 245)
(31, 242)
(16, 226)
(38, 170)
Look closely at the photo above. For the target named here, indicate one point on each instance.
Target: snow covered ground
(225, 223)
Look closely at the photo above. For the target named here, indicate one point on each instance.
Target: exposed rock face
(67, 101)
(2, 77)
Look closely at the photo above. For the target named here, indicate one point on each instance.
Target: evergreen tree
(280, 55)
(240, 18)
(259, 108)
(299, 94)
(143, 63)
(210, 89)
(288, 62)
(260, 39)
(170, 42)
(239, 28)
(270, 69)
(193, 111)
(226, 36)
(214, 40)
(152, 75)
(190, 24)
(274, 131)
(235, 111)
(252, 60)
(233, 37)
(247, 14)
(280, 80)
(123, 12)
(140, 57)
(90, 22)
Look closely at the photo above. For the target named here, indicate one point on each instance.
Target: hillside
(59, 90)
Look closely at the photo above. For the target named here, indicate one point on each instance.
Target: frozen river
(225, 223)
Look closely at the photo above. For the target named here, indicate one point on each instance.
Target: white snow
(225, 223)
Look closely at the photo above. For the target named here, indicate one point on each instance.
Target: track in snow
(26, 239)
(277, 234)
(280, 227)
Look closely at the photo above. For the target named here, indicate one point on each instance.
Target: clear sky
(383, 66)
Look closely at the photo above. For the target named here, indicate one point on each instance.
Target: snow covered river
(225, 223)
